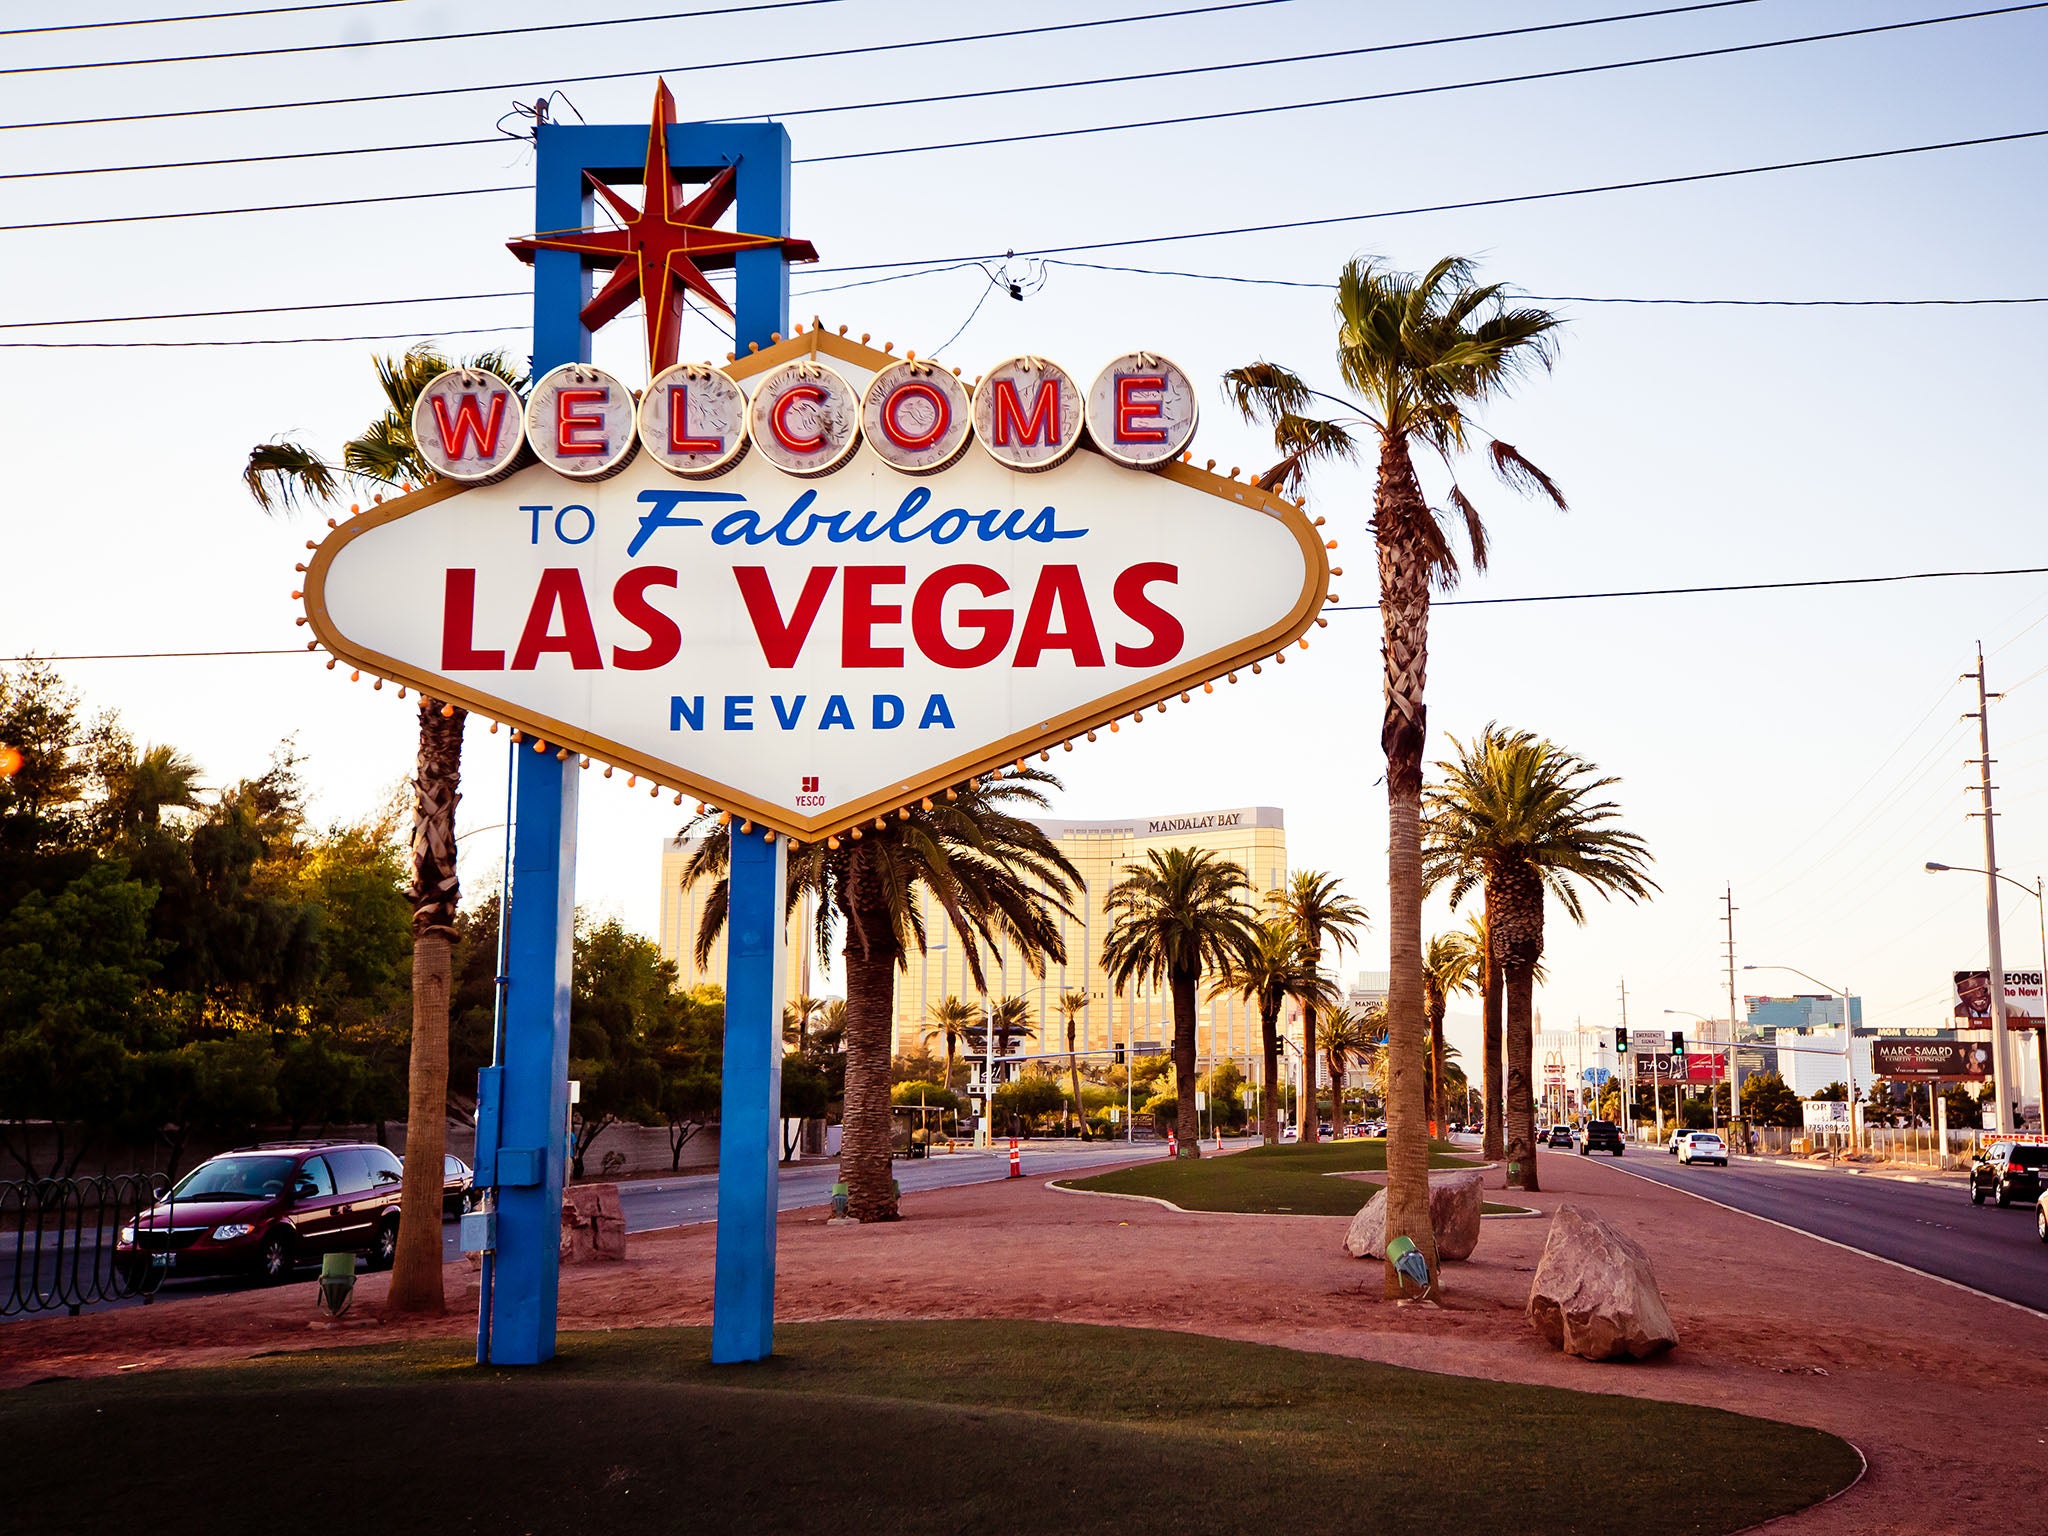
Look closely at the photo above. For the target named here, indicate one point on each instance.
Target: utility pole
(2001, 1064)
(1734, 1062)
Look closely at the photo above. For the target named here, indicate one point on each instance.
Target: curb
(1862, 1471)
(1111, 1194)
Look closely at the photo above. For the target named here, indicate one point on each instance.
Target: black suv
(1601, 1136)
(2008, 1171)
(267, 1209)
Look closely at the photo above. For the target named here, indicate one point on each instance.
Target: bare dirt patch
(1771, 1322)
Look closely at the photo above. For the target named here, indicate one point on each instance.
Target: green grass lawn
(1007, 1427)
(1287, 1180)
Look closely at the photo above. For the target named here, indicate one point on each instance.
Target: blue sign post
(523, 1109)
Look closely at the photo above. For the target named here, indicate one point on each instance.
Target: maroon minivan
(267, 1209)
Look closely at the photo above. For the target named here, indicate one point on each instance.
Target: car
(1671, 1146)
(265, 1210)
(2008, 1170)
(1601, 1136)
(1290, 1133)
(458, 1186)
(1703, 1147)
(2041, 1217)
(1560, 1135)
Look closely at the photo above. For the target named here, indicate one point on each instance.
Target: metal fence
(57, 1241)
(1898, 1144)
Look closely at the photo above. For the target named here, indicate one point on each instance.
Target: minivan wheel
(1976, 1194)
(274, 1259)
(384, 1248)
(2004, 1199)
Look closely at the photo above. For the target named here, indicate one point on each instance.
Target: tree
(1417, 354)
(623, 989)
(987, 873)
(281, 476)
(1319, 911)
(1768, 1100)
(1453, 963)
(1181, 912)
(1521, 818)
(1349, 1034)
(950, 1018)
(1276, 969)
(1027, 1097)
(1072, 1004)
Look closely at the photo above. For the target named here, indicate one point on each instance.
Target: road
(692, 1199)
(1931, 1227)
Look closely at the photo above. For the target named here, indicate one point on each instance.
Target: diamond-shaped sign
(811, 652)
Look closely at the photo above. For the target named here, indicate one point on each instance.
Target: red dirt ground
(1771, 1322)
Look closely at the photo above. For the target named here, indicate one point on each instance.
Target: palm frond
(1516, 470)
(283, 476)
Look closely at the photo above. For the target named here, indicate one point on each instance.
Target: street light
(1848, 1037)
(2040, 1034)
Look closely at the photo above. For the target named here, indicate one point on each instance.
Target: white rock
(1595, 1295)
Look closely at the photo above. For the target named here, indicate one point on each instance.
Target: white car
(1703, 1147)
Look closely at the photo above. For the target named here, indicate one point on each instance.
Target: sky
(1804, 747)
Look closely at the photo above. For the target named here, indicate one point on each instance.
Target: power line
(902, 101)
(432, 37)
(1737, 586)
(1547, 597)
(158, 21)
(1566, 298)
(1282, 226)
(1408, 92)
(1205, 234)
(677, 69)
(256, 341)
(261, 309)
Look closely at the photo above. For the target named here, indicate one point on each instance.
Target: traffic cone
(1219, 1138)
(1016, 1160)
(1172, 1145)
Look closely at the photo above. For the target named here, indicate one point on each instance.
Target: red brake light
(2015, 1166)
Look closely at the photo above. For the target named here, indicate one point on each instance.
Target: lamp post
(2036, 891)
(1848, 1037)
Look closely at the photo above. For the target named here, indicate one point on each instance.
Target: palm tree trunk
(1074, 1078)
(1398, 510)
(1494, 1147)
(1305, 1111)
(864, 1144)
(1521, 1139)
(436, 895)
(1269, 1101)
(1182, 985)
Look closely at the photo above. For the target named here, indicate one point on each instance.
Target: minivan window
(350, 1176)
(235, 1178)
(314, 1180)
(2030, 1157)
(384, 1168)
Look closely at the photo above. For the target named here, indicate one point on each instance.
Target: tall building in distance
(1254, 837)
(682, 913)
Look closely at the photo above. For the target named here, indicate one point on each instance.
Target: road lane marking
(2005, 1301)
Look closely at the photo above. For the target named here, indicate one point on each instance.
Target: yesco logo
(805, 417)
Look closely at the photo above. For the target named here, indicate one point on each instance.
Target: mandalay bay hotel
(1254, 837)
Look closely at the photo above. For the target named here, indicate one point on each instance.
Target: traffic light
(1678, 1045)
(1621, 1042)
(1119, 1056)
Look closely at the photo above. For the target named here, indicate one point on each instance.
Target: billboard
(1709, 1068)
(2023, 997)
(895, 590)
(1947, 1061)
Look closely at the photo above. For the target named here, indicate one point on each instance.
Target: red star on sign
(661, 248)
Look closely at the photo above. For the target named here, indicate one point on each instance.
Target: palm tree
(950, 1018)
(799, 1015)
(1493, 1142)
(1072, 1004)
(993, 877)
(1319, 911)
(1349, 1034)
(1176, 915)
(282, 475)
(1519, 817)
(1416, 353)
(1452, 964)
(1275, 970)
(146, 784)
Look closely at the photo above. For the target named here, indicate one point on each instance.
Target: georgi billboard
(1931, 1060)
(821, 582)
